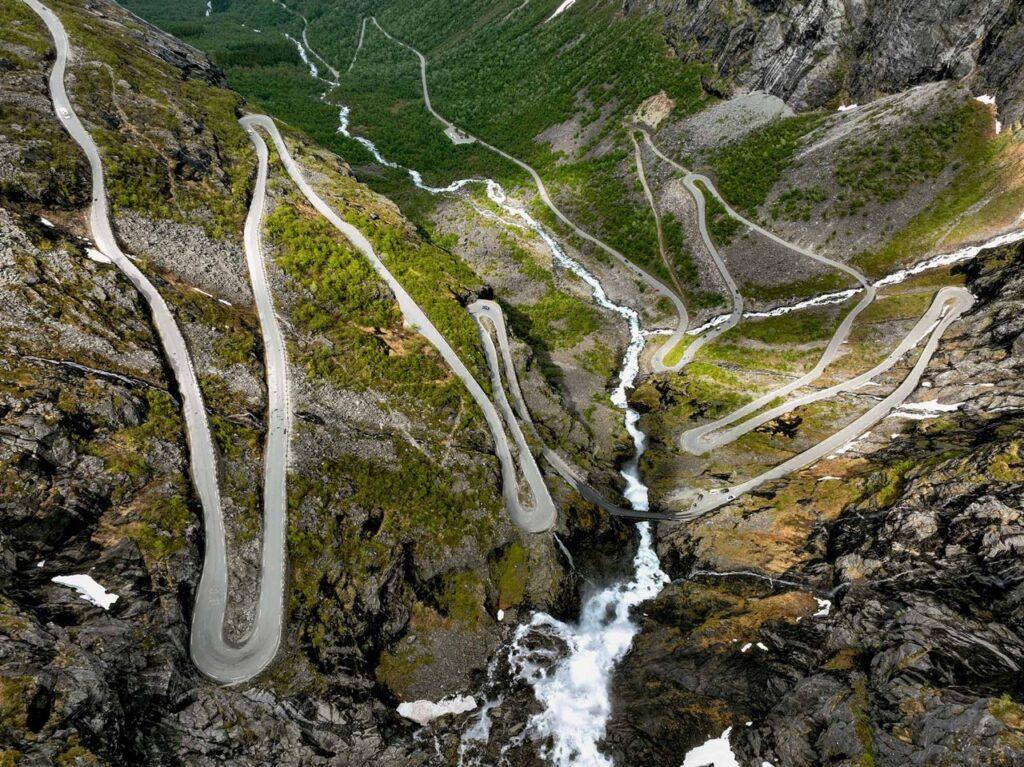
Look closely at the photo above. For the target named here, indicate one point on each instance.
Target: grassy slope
(507, 81)
(345, 315)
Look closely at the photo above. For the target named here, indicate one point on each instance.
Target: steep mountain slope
(406, 579)
(396, 523)
(814, 53)
(914, 538)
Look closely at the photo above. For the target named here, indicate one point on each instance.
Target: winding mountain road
(702, 439)
(950, 304)
(659, 288)
(535, 518)
(958, 300)
(658, 228)
(487, 312)
(224, 662)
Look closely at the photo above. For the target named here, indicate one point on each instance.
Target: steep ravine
(597, 641)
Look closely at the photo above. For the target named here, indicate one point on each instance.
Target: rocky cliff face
(815, 52)
(400, 553)
(917, 657)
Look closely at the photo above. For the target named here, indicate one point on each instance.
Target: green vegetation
(825, 282)
(556, 321)
(721, 226)
(1008, 711)
(795, 204)
(744, 355)
(860, 705)
(163, 513)
(346, 304)
(158, 102)
(747, 169)
(987, 191)
(462, 598)
(685, 267)
(888, 484)
(600, 360)
(510, 572)
(402, 501)
(678, 350)
(897, 306)
(803, 327)
(506, 79)
(603, 205)
(14, 697)
(884, 169)
(50, 164)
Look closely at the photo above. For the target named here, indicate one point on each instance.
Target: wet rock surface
(916, 657)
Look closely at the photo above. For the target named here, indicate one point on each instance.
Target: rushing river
(568, 665)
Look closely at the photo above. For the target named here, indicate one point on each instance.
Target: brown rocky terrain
(916, 543)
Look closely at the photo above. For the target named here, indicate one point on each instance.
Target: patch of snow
(95, 255)
(847, 107)
(40, 563)
(424, 711)
(762, 646)
(746, 647)
(226, 303)
(714, 753)
(852, 444)
(209, 7)
(501, 615)
(566, 5)
(89, 589)
(920, 411)
(824, 608)
(202, 292)
(986, 99)
(45, 221)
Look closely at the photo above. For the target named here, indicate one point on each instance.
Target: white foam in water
(574, 689)
(304, 56)
(575, 693)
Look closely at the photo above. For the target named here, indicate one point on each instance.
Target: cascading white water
(573, 689)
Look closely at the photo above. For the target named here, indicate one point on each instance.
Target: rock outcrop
(897, 637)
(815, 52)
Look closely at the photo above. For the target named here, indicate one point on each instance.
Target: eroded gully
(572, 682)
